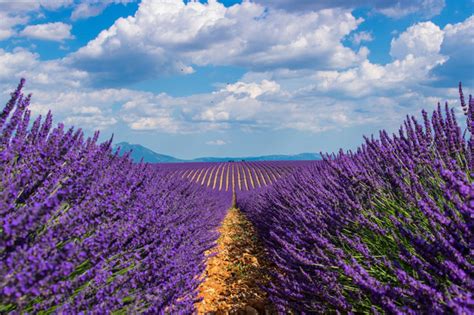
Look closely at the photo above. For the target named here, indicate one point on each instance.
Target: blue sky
(233, 78)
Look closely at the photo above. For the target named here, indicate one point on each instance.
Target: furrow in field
(191, 173)
(185, 173)
(250, 176)
(202, 174)
(269, 173)
(243, 177)
(196, 173)
(216, 176)
(227, 178)
(221, 181)
(205, 175)
(238, 176)
(256, 176)
(210, 176)
(261, 175)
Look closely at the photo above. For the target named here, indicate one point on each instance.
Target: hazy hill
(150, 156)
(139, 151)
(275, 157)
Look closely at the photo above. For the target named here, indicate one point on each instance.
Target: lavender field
(236, 157)
(387, 228)
(84, 230)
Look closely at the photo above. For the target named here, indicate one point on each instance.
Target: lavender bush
(388, 228)
(85, 230)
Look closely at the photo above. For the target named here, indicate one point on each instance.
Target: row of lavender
(233, 176)
(388, 228)
(83, 229)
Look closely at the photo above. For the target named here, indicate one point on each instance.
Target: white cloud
(95, 122)
(82, 9)
(151, 123)
(425, 8)
(12, 63)
(360, 37)
(7, 24)
(153, 112)
(23, 63)
(218, 142)
(421, 39)
(90, 8)
(213, 115)
(446, 53)
(393, 9)
(85, 10)
(57, 31)
(169, 36)
(416, 53)
(79, 101)
(253, 89)
(18, 12)
(457, 45)
(23, 6)
(460, 35)
(310, 99)
(91, 110)
(85, 108)
(369, 79)
(367, 93)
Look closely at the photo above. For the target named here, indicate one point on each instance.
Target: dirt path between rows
(234, 276)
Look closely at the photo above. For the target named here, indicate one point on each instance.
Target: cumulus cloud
(360, 37)
(80, 107)
(373, 79)
(371, 92)
(238, 103)
(87, 110)
(57, 31)
(16, 13)
(8, 23)
(23, 63)
(59, 88)
(86, 10)
(24, 6)
(90, 8)
(421, 39)
(18, 61)
(457, 45)
(19, 12)
(393, 9)
(253, 89)
(147, 111)
(459, 36)
(425, 8)
(416, 52)
(92, 122)
(216, 142)
(312, 99)
(239, 109)
(169, 36)
(81, 9)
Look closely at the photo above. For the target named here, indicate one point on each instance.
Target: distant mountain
(139, 151)
(276, 157)
(149, 156)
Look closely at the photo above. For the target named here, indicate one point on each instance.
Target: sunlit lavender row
(234, 176)
(85, 230)
(388, 228)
